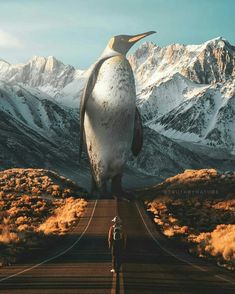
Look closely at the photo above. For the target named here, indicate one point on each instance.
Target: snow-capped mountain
(210, 62)
(47, 74)
(36, 110)
(34, 130)
(38, 132)
(187, 92)
(161, 156)
(206, 117)
(186, 96)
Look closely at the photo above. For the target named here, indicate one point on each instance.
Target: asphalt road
(151, 263)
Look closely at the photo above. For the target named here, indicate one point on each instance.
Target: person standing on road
(117, 243)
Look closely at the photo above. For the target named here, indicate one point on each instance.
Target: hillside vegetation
(198, 208)
(35, 203)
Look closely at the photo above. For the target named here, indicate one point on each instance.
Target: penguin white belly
(109, 118)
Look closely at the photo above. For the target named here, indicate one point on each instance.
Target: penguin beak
(138, 37)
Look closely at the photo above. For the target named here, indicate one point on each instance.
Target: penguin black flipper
(85, 96)
(137, 141)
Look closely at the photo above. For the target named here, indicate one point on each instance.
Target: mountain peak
(217, 42)
(206, 63)
(48, 64)
(37, 58)
(46, 73)
(222, 43)
(4, 66)
(148, 44)
(145, 48)
(42, 60)
(53, 63)
(4, 61)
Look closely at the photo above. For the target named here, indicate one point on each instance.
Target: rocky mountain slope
(38, 132)
(35, 131)
(48, 74)
(207, 63)
(185, 95)
(188, 92)
(185, 92)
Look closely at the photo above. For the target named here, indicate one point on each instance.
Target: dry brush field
(197, 207)
(35, 204)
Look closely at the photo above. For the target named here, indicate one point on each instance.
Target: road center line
(113, 290)
(117, 284)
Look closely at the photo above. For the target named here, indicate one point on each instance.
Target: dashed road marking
(117, 284)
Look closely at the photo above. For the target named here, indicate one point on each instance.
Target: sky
(77, 31)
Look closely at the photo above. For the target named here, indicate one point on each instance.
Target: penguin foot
(118, 191)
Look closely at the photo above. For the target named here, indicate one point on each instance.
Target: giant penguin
(110, 123)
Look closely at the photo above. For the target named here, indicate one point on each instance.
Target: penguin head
(123, 43)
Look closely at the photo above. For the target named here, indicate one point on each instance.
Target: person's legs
(114, 257)
(118, 256)
(114, 261)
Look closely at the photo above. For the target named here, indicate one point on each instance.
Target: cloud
(9, 41)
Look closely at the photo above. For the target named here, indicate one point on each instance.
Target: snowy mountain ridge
(210, 62)
(187, 92)
(47, 74)
(39, 132)
(184, 92)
